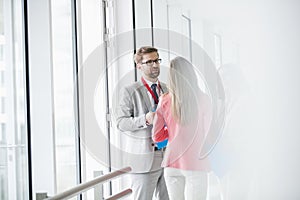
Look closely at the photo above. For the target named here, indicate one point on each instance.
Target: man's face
(150, 71)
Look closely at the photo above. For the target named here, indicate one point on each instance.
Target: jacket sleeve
(126, 121)
(159, 131)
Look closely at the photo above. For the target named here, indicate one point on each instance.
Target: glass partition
(92, 91)
(13, 131)
(64, 94)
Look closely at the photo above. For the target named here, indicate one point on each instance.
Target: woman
(183, 117)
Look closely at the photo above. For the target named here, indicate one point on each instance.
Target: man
(135, 114)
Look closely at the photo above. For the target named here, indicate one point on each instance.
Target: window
(13, 135)
(2, 105)
(63, 94)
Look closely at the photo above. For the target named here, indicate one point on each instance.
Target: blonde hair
(184, 90)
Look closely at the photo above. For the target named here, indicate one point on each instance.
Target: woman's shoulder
(164, 97)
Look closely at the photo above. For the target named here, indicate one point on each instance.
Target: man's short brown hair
(138, 57)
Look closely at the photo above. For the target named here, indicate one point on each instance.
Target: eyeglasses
(151, 62)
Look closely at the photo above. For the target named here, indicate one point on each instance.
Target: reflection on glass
(63, 88)
(13, 135)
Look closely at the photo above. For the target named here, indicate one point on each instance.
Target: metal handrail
(119, 195)
(85, 186)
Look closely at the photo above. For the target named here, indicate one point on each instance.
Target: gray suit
(136, 142)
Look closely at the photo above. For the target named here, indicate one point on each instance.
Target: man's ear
(138, 65)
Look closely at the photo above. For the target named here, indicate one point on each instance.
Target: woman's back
(185, 139)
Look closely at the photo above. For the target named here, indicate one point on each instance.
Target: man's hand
(149, 117)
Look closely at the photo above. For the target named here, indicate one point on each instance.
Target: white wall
(260, 38)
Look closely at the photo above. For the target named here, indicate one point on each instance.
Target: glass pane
(143, 23)
(63, 87)
(92, 96)
(218, 51)
(13, 135)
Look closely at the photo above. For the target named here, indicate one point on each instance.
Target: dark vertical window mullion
(27, 93)
(76, 93)
(152, 22)
(134, 37)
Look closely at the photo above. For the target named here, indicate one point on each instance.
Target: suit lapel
(144, 93)
(164, 88)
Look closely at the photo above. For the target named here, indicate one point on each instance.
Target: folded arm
(159, 131)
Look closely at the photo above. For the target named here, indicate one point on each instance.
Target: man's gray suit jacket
(136, 143)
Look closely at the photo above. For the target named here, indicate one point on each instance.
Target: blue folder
(162, 144)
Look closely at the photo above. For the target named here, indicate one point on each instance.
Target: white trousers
(185, 184)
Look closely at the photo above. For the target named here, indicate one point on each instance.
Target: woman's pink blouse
(184, 141)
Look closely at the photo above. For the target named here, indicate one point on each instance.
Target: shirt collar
(150, 83)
